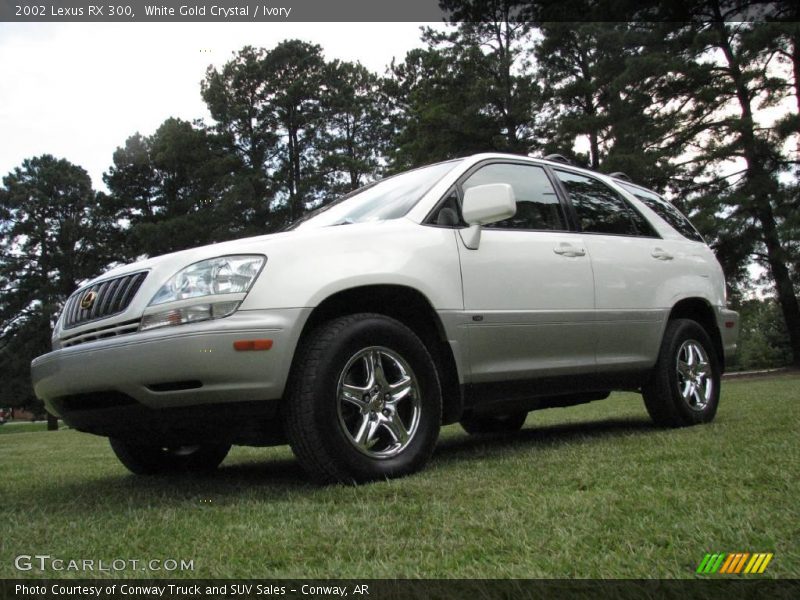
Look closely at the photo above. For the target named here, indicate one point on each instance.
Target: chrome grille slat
(109, 295)
(121, 291)
(76, 307)
(132, 289)
(113, 297)
(70, 310)
(94, 311)
(74, 312)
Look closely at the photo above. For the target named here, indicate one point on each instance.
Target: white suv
(473, 290)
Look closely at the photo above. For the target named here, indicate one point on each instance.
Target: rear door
(631, 266)
(528, 288)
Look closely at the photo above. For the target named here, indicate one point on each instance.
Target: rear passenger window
(666, 211)
(602, 210)
(538, 207)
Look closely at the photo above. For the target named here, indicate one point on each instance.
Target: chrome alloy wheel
(378, 401)
(695, 381)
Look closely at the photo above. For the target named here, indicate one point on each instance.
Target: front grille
(112, 296)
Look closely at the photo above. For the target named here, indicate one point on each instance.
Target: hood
(259, 244)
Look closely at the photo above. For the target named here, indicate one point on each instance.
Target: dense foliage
(703, 109)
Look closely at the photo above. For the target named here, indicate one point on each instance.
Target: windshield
(389, 198)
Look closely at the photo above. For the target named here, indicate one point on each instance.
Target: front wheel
(685, 384)
(150, 459)
(364, 401)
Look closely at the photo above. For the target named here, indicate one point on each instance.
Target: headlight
(223, 275)
(219, 285)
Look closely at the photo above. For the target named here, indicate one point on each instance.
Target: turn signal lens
(188, 314)
(248, 345)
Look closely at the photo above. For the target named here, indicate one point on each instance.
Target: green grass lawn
(590, 491)
(24, 427)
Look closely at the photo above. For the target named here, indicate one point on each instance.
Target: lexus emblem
(88, 300)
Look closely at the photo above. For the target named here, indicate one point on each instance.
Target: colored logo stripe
(727, 565)
(704, 563)
(711, 563)
(758, 563)
(734, 563)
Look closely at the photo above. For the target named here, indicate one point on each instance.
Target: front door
(528, 288)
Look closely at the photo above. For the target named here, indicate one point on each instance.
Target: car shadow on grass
(282, 473)
(281, 478)
(461, 447)
(259, 481)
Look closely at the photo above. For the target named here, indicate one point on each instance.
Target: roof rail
(620, 175)
(558, 158)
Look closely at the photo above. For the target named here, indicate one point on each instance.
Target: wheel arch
(412, 308)
(701, 311)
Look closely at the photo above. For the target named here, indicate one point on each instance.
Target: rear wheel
(364, 401)
(685, 384)
(148, 459)
(508, 423)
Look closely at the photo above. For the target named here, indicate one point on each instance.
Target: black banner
(405, 589)
(374, 10)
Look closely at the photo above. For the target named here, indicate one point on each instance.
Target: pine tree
(55, 232)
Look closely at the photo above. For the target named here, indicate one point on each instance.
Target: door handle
(660, 254)
(569, 250)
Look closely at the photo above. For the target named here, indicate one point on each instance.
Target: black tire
(508, 423)
(323, 425)
(664, 394)
(148, 459)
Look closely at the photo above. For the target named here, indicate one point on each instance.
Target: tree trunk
(796, 73)
(293, 183)
(294, 166)
(594, 145)
(52, 423)
(762, 189)
(783, 280)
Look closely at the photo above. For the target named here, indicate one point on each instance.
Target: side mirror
(486, 204)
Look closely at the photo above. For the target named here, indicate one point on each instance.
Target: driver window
(538, 207)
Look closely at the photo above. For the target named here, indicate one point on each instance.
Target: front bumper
(172, 367)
